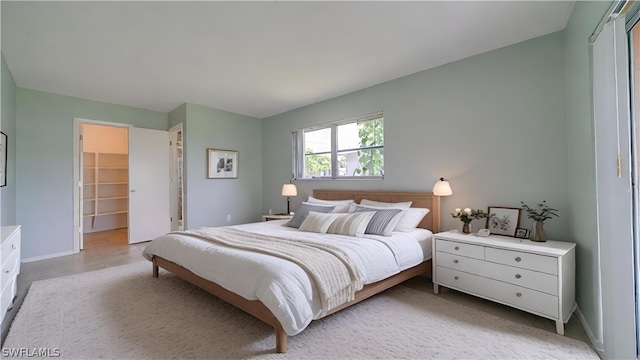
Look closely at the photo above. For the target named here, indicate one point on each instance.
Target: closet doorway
(126, 188)
(105, 179)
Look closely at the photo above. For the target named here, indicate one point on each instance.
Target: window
(348, 149)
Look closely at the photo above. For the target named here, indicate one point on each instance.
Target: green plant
(541, 213)
(316, 164)
(467, 215)
(371, 160)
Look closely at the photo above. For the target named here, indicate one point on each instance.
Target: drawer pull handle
(6, 271)
(519, 294)
(518, 276)
(13, 246)
(456, 277)
(456, 248)
(518, 259)
(455, 261)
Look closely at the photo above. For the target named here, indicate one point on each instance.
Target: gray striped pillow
(383, 221)
(303, 211)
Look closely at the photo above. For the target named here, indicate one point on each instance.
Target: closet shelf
(105, 177)
(107, 213)
(108, 198)
(107, 183)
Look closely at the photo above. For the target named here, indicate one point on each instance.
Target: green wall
(492, 124)
(608, 315)
(209, 201)
(178, 116)
(45, 158)
(581, 156)
(8, 126)
(44, 155)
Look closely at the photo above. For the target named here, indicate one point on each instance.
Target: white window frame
(299, 149)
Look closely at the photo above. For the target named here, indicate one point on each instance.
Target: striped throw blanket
(336, 278)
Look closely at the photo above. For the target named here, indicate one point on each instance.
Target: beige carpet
(124, 313)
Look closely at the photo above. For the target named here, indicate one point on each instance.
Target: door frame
(173, 131)
(78, 238)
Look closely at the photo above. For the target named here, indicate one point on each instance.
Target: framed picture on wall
(3, 159)
(503, 220)
(222, 164)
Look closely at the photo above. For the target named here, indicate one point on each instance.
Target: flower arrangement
(542, 213)
(467, 215)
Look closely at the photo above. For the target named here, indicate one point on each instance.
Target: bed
(191, 259)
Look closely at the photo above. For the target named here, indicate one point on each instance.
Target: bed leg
(281, 339)
(155, 268)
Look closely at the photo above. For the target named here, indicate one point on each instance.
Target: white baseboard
(44, 257)
(596, 343)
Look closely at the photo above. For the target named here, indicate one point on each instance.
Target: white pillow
(341, 206)
(317, 222)
(411, 219)
(353, 224)
(398, 205)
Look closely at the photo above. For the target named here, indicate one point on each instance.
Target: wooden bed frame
(260, 311)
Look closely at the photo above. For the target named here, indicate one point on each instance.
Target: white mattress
(282, 285)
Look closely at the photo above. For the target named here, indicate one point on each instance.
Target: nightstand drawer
(10, 246)
(9, 267)
(7, 296)
(546, 264)
(9, 270)
(462, 249)
(521, 277)
(516, 296)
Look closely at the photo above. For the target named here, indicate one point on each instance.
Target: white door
(80, 214)
(149, 184)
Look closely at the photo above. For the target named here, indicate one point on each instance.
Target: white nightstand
(276, 217)
(537, 277)
(10, 244)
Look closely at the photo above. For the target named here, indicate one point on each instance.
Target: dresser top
(7, 231)
(549, 247)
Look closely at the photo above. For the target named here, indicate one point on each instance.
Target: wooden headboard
(419, 200)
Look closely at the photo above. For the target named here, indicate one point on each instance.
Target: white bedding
(281, 285)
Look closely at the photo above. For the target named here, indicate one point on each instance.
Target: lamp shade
(442, 188)
(289, 190)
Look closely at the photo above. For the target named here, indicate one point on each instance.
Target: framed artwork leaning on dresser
(503, 220)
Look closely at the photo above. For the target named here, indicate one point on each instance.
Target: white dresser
(10, 265)
(537, 277)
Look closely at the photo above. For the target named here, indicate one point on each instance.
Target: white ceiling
(253, 58)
